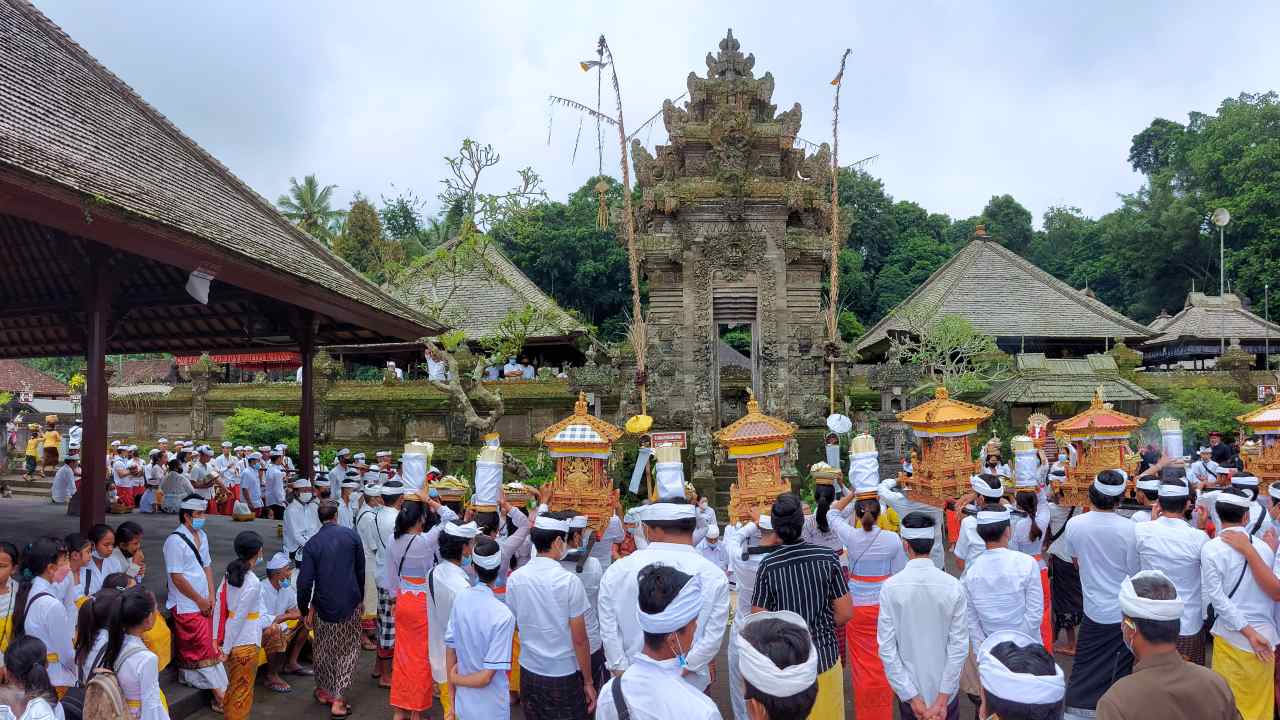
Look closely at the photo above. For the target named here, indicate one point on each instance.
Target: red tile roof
(16, 377)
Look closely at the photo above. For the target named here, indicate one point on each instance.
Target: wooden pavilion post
(306, 416)
(93, 448)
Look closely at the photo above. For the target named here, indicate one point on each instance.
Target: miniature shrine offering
(944, 465)
(756, 442)
(1170, 436)
(1262, 457)
(581, 444)
(1099, 437)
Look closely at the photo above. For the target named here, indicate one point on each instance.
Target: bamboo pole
(633, 260)
(833, 304)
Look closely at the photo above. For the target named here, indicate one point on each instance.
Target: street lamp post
(1220, 218)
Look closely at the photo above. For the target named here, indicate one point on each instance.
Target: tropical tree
(308, 205)
(949, 350)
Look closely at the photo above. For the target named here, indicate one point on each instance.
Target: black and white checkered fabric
(578, 433)
(386, 619)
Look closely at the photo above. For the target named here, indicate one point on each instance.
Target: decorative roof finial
(980, 232)
(729, 62)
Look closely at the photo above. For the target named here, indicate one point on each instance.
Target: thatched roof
(477, 300)
(1211, 317)
(1039, 381)
(1004, 295)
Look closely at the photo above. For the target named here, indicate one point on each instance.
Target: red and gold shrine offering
(1099, 440)
(944, 465)
(756, 442)
(1262, 458)
(581, 444)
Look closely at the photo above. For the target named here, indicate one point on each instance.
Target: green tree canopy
(308, 205)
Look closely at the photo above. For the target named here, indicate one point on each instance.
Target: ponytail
(868, 512)
(412, 513)
(26, 661)
(823, 494)
(36, 560)
(135, 606)
(1027, 503)
(247, 544)
(94, 615)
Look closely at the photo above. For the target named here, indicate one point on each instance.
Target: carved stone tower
(733, 233)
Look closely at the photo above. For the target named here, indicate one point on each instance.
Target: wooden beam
(306, 417)
(93, 480)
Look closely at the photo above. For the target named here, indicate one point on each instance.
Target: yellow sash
(251, 616)
(51, 658)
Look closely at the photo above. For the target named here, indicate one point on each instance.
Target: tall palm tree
(307, 206)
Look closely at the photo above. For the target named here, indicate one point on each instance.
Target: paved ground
(24, 518)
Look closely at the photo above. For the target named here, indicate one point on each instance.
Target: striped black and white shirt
(805, 579)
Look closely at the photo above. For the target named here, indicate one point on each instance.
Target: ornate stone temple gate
(733, 229)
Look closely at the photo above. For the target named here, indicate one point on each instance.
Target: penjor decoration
(581, 445)
(756, 441)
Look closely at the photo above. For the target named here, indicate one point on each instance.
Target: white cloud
(961, 101)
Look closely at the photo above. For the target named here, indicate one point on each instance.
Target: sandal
(282, 688)
(342, 716)
(299, 671)
(322, 697)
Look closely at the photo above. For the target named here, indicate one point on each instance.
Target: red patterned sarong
(872, 695)
(193, 638)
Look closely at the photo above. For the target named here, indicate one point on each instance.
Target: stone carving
(201, 373)
(730, 201)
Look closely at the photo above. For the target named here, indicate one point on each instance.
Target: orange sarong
(1046, 618)
(872, 695)
(242, 669)
(411, 682)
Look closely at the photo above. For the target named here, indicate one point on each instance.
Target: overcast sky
(960, 100)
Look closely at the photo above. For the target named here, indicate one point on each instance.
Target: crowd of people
(1157, 578)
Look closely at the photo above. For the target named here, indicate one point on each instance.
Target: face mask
(97, 555)
(306, 497)
(679, 652)
(197, 523)
(1124, 636)
(1062, 458)
(284, 583)
(466, 561)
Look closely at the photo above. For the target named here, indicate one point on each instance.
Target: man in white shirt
(338, 472)
(1244, 633)
(273, 485)
(587, 568)
(988, 492)
(1247, 484)
(668, 528)
(190, 599)
(711, 549)
(444, 582)
(923, 629)
(284, 645)
(746, 546)
(1002, 585)
(478, 642)
(1203, 473)
(512, 370)
(1171, 546)
(602, 549)
(550, 607)
(437, 367)
(64, 481)
(384, 522)
(251, 483)
(201, 478)
(669, 603)
(301, 519)
(225, 462)
(1103, 546)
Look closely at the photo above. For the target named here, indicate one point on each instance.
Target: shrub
(250, 426)
(1203, 410)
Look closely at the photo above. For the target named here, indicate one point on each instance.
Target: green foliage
(1008, 222)
(850, 329)
(6, 397)
(1203, 410)
(563, 252)
(950, 352)
(251, 426)
(62, 368)
(739, 339)
(358, 243)
(307, 205)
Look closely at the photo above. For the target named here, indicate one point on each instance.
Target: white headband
(984, 489)
(578, 522)
(668, 511)
(1109, 490)
(992, 517)
(1233, 499)
(924, 533)
(1173, 490)
(279, 561)
(373, 491)
(1245, 481)
(487, 562)
(1146, 608)
(1274, 490)
(683, 608)
(760, 670)
(713, 532)
(465, 532)
(304, 483)
(1007, 684)
(197, 504)
(1149, 484)
(545, 523)
(351, 484)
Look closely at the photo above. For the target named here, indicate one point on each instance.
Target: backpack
(101, 697)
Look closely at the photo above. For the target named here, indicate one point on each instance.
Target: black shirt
(1221, 453)
(805, 579)
(332, 568)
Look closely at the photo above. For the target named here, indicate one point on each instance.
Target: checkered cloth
(578, 433)
(552, 698)
(1191, 647)
(386, 623)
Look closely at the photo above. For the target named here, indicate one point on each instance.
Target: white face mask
(305, 497)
